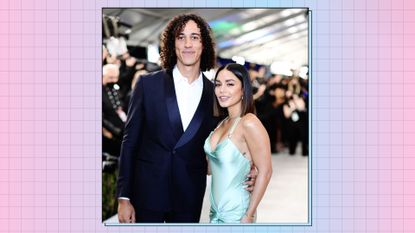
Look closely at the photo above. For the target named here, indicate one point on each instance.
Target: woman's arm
(259, 147)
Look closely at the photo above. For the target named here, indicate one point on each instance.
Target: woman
(239, 140)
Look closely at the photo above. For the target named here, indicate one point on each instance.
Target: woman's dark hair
(173, 29)
(247, 101)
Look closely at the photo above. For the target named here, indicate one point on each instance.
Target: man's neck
(189, 72)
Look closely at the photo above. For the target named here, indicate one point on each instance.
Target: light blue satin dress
(229, 168)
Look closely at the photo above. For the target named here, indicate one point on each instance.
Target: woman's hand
(247, 219)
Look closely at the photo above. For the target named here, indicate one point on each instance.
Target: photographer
(296, 114)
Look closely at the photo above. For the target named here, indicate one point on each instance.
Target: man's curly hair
(173, 29)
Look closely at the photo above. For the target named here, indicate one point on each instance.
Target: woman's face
(228, 89)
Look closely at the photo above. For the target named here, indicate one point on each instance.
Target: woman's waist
(236, 193)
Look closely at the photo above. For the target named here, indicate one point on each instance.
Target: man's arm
(129, 148)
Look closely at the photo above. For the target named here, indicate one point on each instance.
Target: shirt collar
(178, 77)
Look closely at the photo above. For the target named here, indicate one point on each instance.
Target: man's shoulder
(154, 77)
(158, 73)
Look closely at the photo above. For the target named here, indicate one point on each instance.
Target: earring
(242, 98)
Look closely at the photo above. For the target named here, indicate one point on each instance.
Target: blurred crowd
(119, 75)
(281, 104)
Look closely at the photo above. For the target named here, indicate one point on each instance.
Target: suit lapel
(172, 106)
(198, 116)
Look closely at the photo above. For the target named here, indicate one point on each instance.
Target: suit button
(173, 152)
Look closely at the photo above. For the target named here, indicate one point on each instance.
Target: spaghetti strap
(221, 122)
(233, 127)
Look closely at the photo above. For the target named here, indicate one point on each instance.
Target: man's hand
(126, 213)
(251, 178)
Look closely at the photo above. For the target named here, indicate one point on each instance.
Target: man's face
(189, 45)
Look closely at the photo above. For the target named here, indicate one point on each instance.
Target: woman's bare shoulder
(251, 122)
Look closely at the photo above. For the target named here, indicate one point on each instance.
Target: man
(163, 166)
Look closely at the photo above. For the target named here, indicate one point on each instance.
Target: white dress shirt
(188, 95)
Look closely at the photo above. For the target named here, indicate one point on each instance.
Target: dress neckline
(229, 133)
(224, 142)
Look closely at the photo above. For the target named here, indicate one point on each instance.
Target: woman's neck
(234, 112)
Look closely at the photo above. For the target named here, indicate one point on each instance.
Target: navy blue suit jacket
(163, 168)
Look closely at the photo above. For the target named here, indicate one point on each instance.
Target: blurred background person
(113, 115)
(296, 116)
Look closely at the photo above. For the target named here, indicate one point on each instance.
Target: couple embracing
(172, 137)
